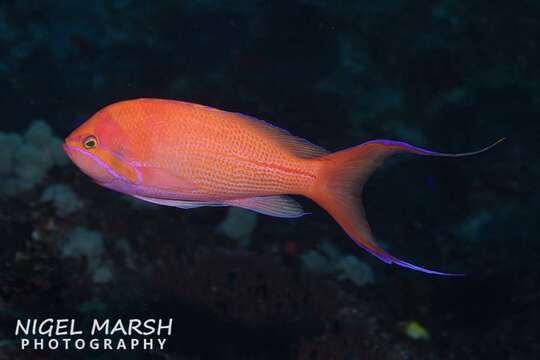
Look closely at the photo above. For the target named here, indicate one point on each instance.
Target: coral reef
(239, 225)
(328, 259)
(81, 242)
(25, 160)
(65, 201)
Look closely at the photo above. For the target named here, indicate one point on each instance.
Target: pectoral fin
(279, 206)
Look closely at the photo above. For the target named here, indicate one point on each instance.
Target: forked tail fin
(342, 177)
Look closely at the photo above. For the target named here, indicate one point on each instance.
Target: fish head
(102, 150)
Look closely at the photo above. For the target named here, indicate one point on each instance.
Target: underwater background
(448, 75)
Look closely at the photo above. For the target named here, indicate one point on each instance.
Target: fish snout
(71, 142)
(68, 148)
(71, 146)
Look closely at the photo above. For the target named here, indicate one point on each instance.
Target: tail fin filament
(342, 178)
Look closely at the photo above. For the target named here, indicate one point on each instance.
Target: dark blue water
(452, 76)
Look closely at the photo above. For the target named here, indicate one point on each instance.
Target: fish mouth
(68, 150)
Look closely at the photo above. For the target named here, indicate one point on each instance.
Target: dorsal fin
(294, 144)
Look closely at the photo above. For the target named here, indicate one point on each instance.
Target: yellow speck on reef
(415, 331)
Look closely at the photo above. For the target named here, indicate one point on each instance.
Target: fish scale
(242, 164)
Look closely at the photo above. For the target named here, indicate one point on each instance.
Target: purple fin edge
(421, 151)
(389, 259)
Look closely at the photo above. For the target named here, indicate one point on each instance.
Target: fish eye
(90, 142)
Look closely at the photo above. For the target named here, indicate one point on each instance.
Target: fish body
(196, 152)
(187, 155)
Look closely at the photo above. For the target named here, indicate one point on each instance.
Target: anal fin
(276, 205)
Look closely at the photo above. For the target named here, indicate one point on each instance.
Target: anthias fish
(186, 155)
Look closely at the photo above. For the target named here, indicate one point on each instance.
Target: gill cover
(117, 165)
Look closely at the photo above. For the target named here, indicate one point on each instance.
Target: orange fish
(187, 155)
